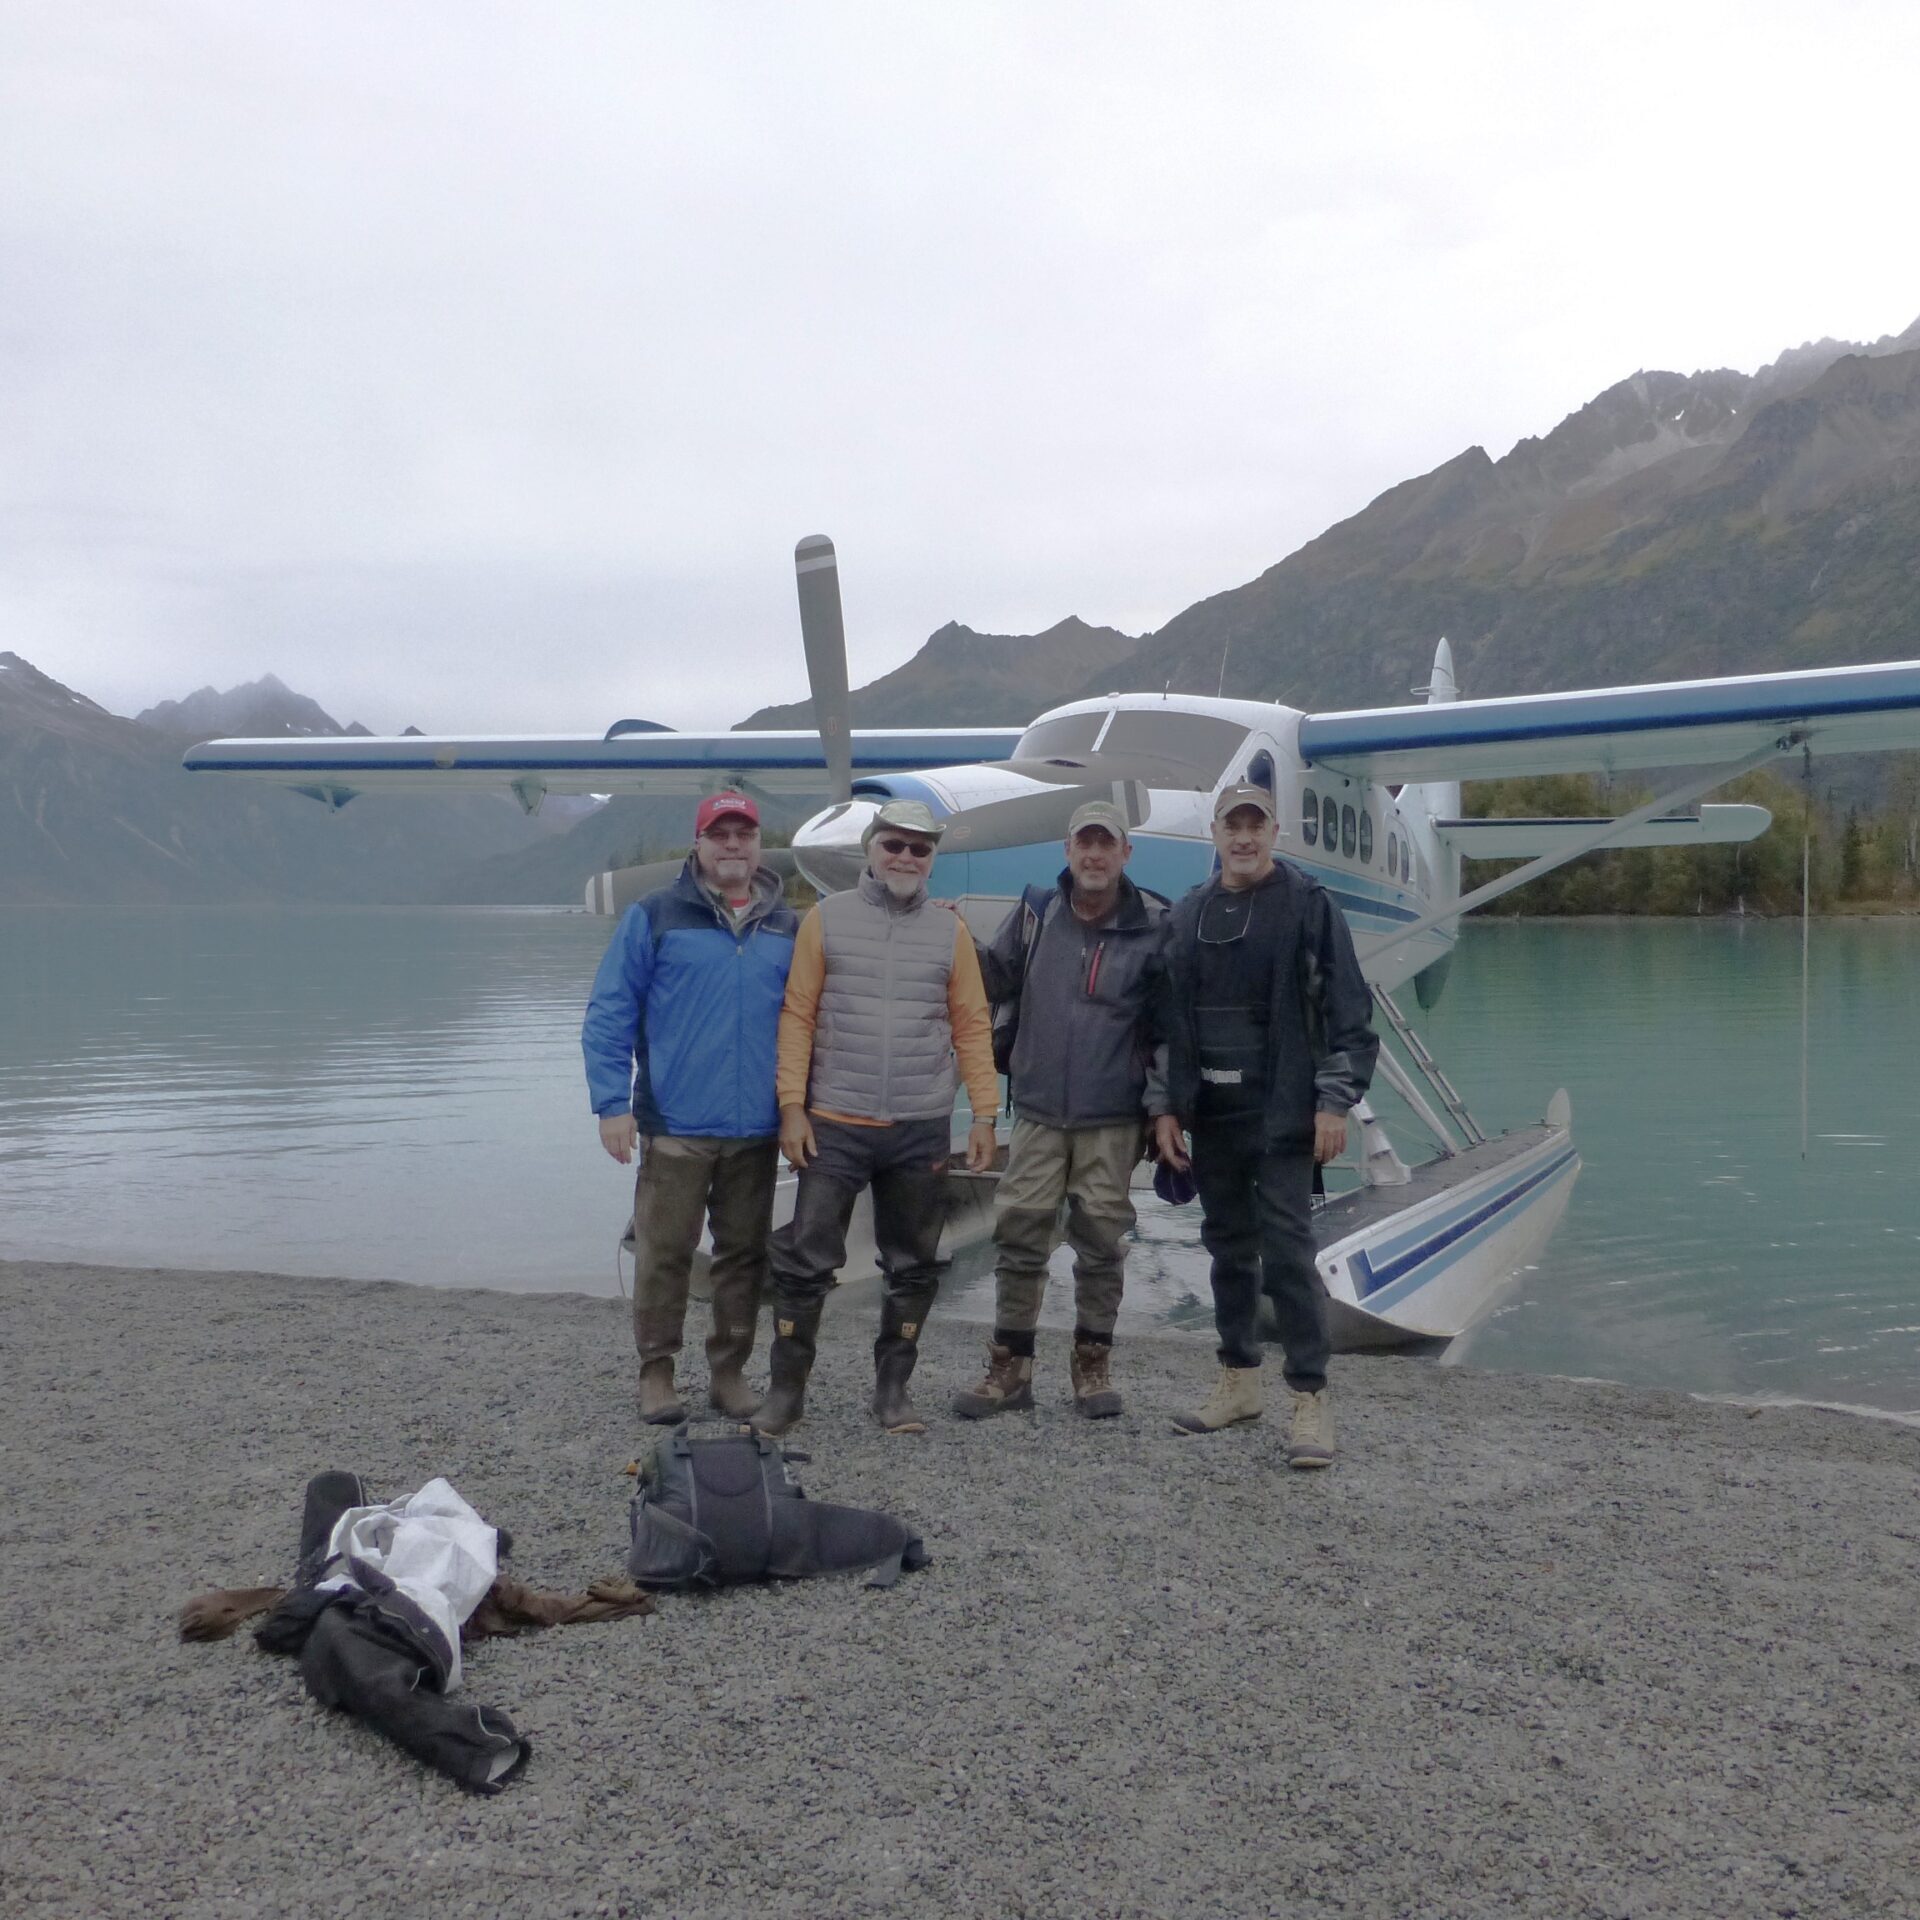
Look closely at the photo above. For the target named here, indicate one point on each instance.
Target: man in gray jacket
(1081, 971)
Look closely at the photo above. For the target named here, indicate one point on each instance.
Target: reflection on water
(397, 1093)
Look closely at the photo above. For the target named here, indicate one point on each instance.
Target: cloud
(479, 366)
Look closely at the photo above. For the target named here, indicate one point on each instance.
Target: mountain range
(1675, 525)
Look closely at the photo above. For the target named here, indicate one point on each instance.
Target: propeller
(1035, 818)
(616, 891)
(823, 632)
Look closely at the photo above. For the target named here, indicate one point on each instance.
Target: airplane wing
(1514, 838)
(1683, 723)
(335, 768)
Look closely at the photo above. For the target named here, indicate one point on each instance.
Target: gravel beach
(1533, 1647)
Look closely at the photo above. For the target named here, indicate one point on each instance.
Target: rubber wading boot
(1235, 1397)
(660, 1405)
(1007, 1386)
(1095, 1397)
(789, 1362)
(728, 1393)
(894, 1355)
(1310, 1436)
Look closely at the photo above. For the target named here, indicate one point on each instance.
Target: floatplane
(1368, 803)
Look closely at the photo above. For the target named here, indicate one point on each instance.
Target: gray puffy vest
(882, 1041)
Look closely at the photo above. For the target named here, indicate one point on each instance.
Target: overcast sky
(478, 365)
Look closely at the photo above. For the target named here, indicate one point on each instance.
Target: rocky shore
(1533, 1647)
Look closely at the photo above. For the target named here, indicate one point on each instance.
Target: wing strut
(1611, 830)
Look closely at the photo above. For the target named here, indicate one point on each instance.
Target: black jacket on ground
(1091, 1006)
(1312, 1039)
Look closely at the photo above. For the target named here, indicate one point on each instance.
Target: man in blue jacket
(679, 1044)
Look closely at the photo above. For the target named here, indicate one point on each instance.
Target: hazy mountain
(263, 709)
(98, 809)
(1678, 524)
(976, 679)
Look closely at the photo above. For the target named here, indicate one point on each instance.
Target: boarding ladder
(1429, 1068)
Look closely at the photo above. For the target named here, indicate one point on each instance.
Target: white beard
(902, 886)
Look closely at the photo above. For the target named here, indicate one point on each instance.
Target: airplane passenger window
(1071, 736)
(1330, 823)
(1349, 831)
(1199, 745)
(1366, 837)
(1393, 856)
(1309, 816)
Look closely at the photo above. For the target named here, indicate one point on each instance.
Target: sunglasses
(920, 849)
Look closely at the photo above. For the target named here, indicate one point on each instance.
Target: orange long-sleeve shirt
(967, 1014)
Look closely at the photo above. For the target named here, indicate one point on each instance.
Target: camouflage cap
(1098, 813)
(905, 816)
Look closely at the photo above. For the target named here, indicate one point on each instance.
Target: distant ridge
(263, 709)
(975, 679)
(1675, 525)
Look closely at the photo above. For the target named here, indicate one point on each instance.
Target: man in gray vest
(1080, 968)
(883, 994)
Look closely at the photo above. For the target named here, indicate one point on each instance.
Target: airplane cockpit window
(1260, 770)
(1070, 737)
(1349, 832)
(1393, 856)
(1309, 816)
(1330, 823)
(1366, 837)
(1198, 745)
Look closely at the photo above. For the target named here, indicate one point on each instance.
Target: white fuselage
(1376, 852)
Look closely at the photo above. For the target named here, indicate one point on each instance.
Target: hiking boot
(1310, 1437)
(1007, 1386)
(728, 1393)
(1095, 1397)
(789, 1362)
(660, 1405)
(1235, 1397)
(894, 1356)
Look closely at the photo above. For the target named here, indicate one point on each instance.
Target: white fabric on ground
(432, 1546)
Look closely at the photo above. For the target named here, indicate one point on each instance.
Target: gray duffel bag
(714, 1509)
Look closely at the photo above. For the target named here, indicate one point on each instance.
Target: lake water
(396, 1093)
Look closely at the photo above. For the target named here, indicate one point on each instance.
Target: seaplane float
(1368, 803)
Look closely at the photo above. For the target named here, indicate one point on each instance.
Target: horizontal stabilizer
(1684, 723)
(1520, 839)
(535, 764)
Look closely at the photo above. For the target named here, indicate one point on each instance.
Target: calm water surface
(397, 1094)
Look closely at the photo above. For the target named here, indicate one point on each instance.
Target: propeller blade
(1036, 818)
(616, 891)
(823, 633)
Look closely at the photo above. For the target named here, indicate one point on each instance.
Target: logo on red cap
(722, 806)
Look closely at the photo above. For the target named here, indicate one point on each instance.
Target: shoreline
(1510, 1655)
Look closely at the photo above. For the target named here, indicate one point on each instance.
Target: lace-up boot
(1310, 1435)
(1095, 1397)
(1006, 1387)
(1235, 1397)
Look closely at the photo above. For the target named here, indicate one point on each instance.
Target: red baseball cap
(721, 806)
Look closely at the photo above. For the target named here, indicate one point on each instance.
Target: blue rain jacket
(684, 1014)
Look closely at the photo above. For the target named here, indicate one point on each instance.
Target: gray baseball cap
(1098, 813)
(905, 816)
(1243, 793)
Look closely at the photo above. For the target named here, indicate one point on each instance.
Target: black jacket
(1319, 1044)
(1091, 1007)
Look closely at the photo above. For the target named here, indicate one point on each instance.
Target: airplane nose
(827, 848)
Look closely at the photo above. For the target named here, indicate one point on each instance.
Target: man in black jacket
(1270, 1047)
(1081, 970)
